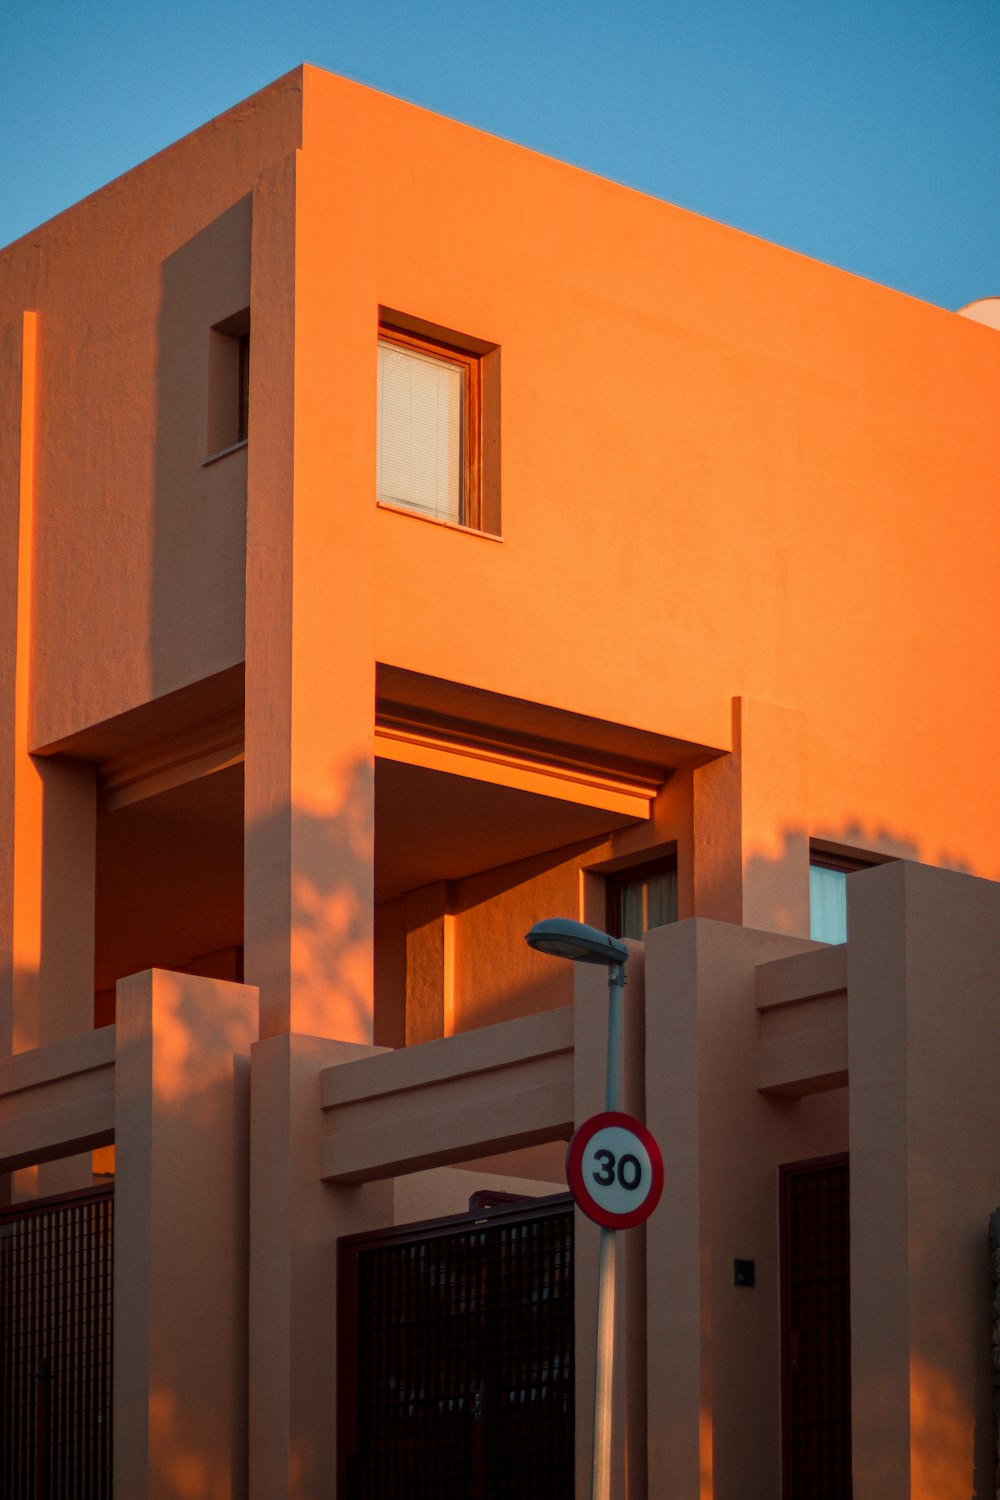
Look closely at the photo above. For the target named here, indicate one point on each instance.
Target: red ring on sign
(577, 1184)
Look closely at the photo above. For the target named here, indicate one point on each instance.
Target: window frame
(470, 500)
(615, 882)
(845, 863)
(824, 859)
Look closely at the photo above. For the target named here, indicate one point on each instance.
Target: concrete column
(751, 839)
(48, 912)
(54, 874)
(295, 1221)
(47, 916)
(430, 963)
(181, 1210)
(17, 394)
(923, 960)
(54, 863)
(679, 1374)
(310, 684)
(713, 1348)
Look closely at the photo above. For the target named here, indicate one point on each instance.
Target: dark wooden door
(456, 1367)
(816, 1330)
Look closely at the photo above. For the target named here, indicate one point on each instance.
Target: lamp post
(588, 945)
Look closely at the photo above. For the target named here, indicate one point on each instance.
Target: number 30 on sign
(614, 1170)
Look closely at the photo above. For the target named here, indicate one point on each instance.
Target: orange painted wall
(726, 469)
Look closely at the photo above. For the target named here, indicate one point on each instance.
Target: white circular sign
(614, 1170)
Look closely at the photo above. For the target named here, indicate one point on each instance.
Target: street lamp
(564, 938)
(576, 941)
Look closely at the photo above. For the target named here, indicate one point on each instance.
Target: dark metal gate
(816, 1330)
(55, 1348)
(456, 1358)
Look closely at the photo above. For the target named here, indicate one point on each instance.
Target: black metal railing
(459, 1360)
(55, 1348)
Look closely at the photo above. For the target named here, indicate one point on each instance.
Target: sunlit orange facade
(293, 757)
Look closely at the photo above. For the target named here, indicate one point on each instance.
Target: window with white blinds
(421, 431)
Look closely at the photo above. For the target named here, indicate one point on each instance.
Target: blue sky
(863, 132)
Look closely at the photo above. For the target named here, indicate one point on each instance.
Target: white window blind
(420, 404)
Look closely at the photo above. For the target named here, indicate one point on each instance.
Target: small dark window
(243, 389)
(229, 383)
(641, 897)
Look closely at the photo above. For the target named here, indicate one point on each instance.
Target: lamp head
(575, 940)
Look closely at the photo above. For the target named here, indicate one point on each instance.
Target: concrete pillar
(54, 863)
(430, 963)
(750, 814)
(47, 915)
(295, 1221)
(17, 403)
(310, 683)
(54, 880)
(923, 960)
(181, 1210)
(713, 1367)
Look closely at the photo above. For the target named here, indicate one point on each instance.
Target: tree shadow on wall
(323, 860)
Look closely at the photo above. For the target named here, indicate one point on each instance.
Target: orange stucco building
(405, 537)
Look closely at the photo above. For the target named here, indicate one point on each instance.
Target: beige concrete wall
(713, 1348)
(181, 1211)
(295, 1220)
(923, 960)
(443, 1191)
(139, 549)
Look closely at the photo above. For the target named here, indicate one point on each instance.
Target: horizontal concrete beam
(629, 796)
(802, 1003)
(57, 1100)
(494, 1089)
(802, 976)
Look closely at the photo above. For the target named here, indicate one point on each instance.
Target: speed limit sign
(614, 1170)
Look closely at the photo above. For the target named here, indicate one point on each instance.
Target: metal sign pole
(613, 1164)
(601, 1484)
(601, 1481)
